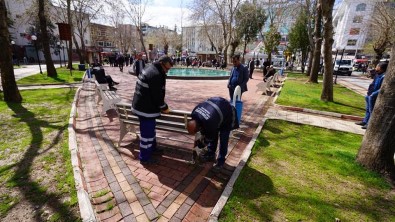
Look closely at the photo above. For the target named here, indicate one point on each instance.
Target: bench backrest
(175, 121)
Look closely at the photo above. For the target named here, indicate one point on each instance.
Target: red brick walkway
(121, 189)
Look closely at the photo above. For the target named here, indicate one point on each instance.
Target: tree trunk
(303, 61)
(379, 54)
(317, 48)
(79, 51)
(10, 89)
(377, 149)
(51, 71)
(327, 85)
(310, 58)
(142, 42)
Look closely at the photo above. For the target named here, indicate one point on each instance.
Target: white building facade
(195, 41)
(351, 21)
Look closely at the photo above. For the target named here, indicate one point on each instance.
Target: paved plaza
(174, 189)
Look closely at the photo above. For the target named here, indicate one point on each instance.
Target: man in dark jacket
(121, 61)
(139, 65)
(149, 102)
(373, 92)
(251, 67)
(100, 75)
(212, 117)
(238, 76)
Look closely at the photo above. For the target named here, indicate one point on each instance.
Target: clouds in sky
(167, 13)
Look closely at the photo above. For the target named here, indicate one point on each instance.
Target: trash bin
(81, 67)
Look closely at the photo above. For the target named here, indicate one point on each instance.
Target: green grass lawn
(63, 77)
(296, 92)
(35, 167)
(305, 173)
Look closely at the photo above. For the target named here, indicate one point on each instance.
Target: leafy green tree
(249, 20)
(271, 40)
(299, 37)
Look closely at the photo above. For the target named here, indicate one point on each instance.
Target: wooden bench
(109, 98)
(175, 121)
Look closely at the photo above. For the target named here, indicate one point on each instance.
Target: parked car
(343, 67)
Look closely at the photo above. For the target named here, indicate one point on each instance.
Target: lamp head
(34, 38)
(58, 43)
(13, 42)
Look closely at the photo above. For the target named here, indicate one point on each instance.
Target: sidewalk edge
(86, 210)
(323, 113)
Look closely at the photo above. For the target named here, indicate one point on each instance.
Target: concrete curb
(86, 210)
(323, 113)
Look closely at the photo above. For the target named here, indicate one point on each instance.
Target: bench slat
(175, 121)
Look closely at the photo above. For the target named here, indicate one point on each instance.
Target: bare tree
(135, 9)
(317, 48)
(43, 11)
(226, 10)
(312, 14)
(377, 149)
(10, 89)
(222, 12)
(83, 12)
(382, 29)
(166, 38)
(204, 16)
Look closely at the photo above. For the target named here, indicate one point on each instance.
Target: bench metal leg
(98, 96)
(124, 129)
(122, 133)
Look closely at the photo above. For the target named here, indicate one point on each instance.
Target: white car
(343, 67)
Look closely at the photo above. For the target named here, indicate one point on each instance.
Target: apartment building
(351, 23)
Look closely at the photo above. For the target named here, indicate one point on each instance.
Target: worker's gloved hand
(166, 110)
(200, 142)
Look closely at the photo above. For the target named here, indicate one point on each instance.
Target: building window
(100, 43)
(357, 19)
(351, 42)
(355, 31)
(108, 44)
(361, 7)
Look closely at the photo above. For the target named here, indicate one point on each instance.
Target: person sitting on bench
(101, 77)
(212, 117)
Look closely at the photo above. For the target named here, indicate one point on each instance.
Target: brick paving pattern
(121, 189)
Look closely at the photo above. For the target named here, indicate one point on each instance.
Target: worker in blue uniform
(213, 118)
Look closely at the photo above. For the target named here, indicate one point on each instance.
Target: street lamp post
(13, 53)
(60, 57)
(34, 38)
